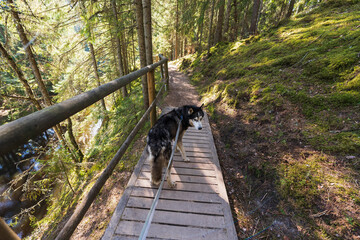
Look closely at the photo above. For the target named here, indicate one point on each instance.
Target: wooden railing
(19, 131)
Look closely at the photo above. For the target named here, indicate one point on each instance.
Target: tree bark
(254, 18)
(118, 45)
(227, 18)
(72, 139)
(176, 31)
(92, 52)
(142, 53)
(235, 30)
(210, 27)
(125, 55)
(149, 57)
(148, 31)
(21, 77)
(291, 8)
(220, 22)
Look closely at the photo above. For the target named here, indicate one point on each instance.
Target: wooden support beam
(167, 76)
(151, 90)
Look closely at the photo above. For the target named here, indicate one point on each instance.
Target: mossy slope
(287, 106)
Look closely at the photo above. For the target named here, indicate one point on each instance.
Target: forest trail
(198, 207)
(181, 91)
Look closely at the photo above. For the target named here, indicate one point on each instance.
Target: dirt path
(181, 91)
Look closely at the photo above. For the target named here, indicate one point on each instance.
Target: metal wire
(150, 215)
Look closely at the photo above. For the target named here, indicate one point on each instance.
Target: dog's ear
(202, 105)
(190, 111)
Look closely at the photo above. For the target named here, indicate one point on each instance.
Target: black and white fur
(163, 133)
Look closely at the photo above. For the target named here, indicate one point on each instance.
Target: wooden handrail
(19, 131)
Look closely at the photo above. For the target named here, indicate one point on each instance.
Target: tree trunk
(201, 34)
(210, 27)
(235, 33)
(21, 77)
(176, 31)
(254, 18)
(125, 55)
(92, 51)
(149, 57)
(291, 8)
(142, 53)
(218, 32)
(148, 31)
(72, 139)
(118, 45)
(227, 19)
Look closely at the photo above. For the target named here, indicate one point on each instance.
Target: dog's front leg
(182, 151)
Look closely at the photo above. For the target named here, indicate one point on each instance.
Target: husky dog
(164, 132)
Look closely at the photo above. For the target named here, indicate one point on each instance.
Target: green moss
(299, 181)
(344, 142)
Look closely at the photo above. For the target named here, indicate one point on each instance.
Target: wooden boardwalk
(197, 208)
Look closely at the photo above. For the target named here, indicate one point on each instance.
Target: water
(96, 128)
(11, 166)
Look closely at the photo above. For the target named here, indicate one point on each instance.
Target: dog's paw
(156, 183)
(172, 184)
(187, 159)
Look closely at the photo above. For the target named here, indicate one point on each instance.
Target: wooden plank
(200, 138)
(177, 206)
(185, 171)
(122, 237)
(190, 134)
(177, 195)
(197, 144)
(184, 178)
(180, 163)
(161, 231)
(191, 187)
(190, 153)
(175, 218)
(191, 140)
(197, 149)
(183, 164)
(194, 159)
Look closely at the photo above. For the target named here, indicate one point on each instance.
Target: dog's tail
(155, 165)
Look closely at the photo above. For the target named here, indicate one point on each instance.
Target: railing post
(162, 72)
(167, 75)
(6, 232)
(151, 91)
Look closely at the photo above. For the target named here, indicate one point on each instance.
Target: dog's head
(193, 115)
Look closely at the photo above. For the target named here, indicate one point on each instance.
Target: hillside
(285, 110)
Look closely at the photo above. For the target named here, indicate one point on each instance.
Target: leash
(150, 215)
